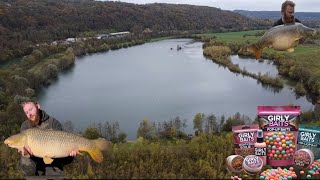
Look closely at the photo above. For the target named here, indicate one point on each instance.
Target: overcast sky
(253, 5)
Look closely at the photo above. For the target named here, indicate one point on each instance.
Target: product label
(245, 140)
(246, 137)
(278, 122)
(309, 138)
(280, 129)
(302, 159)
(253, 161)
(260, 151)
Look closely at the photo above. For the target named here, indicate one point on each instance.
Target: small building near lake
(112, 35)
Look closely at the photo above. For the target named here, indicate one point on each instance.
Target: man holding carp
(286, 34)
(45, 148)
(37, 118)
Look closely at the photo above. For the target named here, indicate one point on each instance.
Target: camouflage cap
(22, 99)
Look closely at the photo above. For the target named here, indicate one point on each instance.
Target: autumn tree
(145, 128)
(198, 121)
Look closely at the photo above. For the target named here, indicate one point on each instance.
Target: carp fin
(291, 50)
(99, 145)
(257, 52)
(47, 160)
(96, 155)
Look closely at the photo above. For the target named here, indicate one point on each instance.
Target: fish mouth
(12, 146)
(6, 141)
(9, 143)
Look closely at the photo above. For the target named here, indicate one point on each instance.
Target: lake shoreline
(140, 90)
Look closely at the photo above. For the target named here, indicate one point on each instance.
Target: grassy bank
(241, 36)
(305, 54)
(302, 67)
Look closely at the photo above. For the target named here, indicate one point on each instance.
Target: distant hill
(23, 22)
(308, 17)
(67, 18)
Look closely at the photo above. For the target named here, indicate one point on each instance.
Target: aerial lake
(155, 81)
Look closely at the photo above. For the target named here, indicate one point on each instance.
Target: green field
(308, 56)
(234, 36)
(305, 54)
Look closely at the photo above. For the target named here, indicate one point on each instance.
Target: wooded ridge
(25, 23)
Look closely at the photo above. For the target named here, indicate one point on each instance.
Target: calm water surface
(152, 81)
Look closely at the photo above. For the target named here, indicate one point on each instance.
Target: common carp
(282, 38)
(48, 144)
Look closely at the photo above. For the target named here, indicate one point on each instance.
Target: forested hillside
(275, 15)
(24, 23)
(311, 19)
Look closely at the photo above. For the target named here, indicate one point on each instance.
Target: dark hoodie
(46, 122)
(280, 22)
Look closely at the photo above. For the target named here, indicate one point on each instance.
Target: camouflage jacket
(46, 122)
